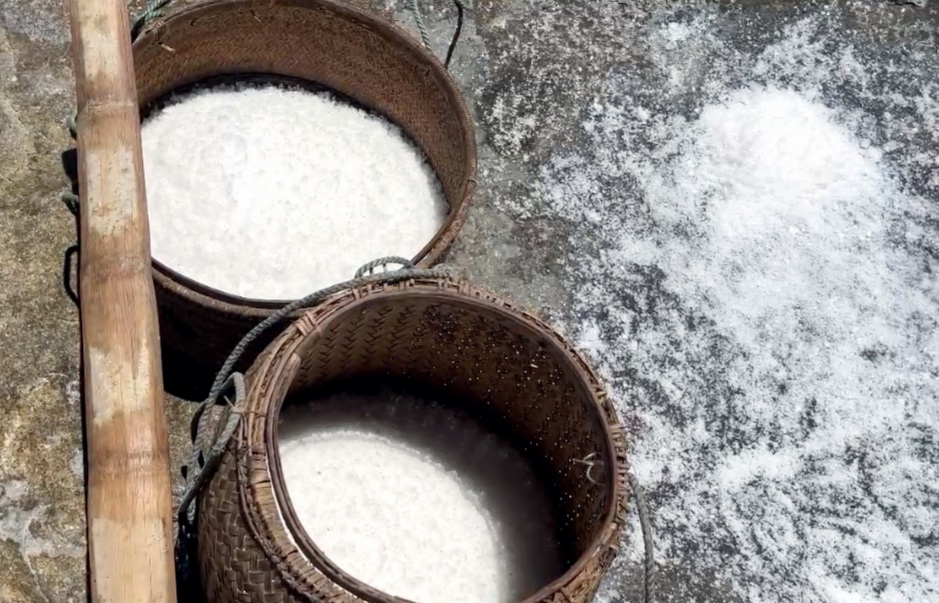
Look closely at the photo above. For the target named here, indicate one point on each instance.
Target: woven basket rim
(222, 301)
(280, 365)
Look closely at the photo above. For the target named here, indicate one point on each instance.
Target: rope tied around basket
(207, 458)
(204, 460)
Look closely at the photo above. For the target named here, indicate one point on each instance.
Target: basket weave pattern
(514, 371)
(372, 62)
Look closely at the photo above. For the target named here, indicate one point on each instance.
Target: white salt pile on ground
(273, 193)
(745, 212)
(418, 500)
(799, 368)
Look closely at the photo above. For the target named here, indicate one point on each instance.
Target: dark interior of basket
(301, 40)
(519, 382)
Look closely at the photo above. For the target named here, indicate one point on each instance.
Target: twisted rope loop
(207, 455)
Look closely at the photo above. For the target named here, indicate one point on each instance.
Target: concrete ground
(530, 72)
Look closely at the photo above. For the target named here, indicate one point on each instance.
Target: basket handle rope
(206, 454)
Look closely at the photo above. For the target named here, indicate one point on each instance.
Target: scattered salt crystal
(273, 193)
(418, 500)
(761, 296)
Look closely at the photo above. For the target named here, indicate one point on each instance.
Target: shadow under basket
(510, 371)
(328, 46)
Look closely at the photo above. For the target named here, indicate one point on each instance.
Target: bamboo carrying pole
(128, 499)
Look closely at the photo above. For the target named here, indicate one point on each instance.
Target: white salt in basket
(506, 370)
(318, 45)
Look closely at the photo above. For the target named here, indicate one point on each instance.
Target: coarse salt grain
(272, 193)
(418, 500)
(788, 391)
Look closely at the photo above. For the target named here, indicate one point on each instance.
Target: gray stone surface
(528, 69)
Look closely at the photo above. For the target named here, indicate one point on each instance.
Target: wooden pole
(129, 502)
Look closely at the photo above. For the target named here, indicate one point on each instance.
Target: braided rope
(461, 7)
(152, 11)
(419, 21)
(206, 456)
(369, 267)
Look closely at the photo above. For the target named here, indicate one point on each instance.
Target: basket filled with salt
(285, 143)
(423, 441)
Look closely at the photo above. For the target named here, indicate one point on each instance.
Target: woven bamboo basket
(516, 374)
(323, 44)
